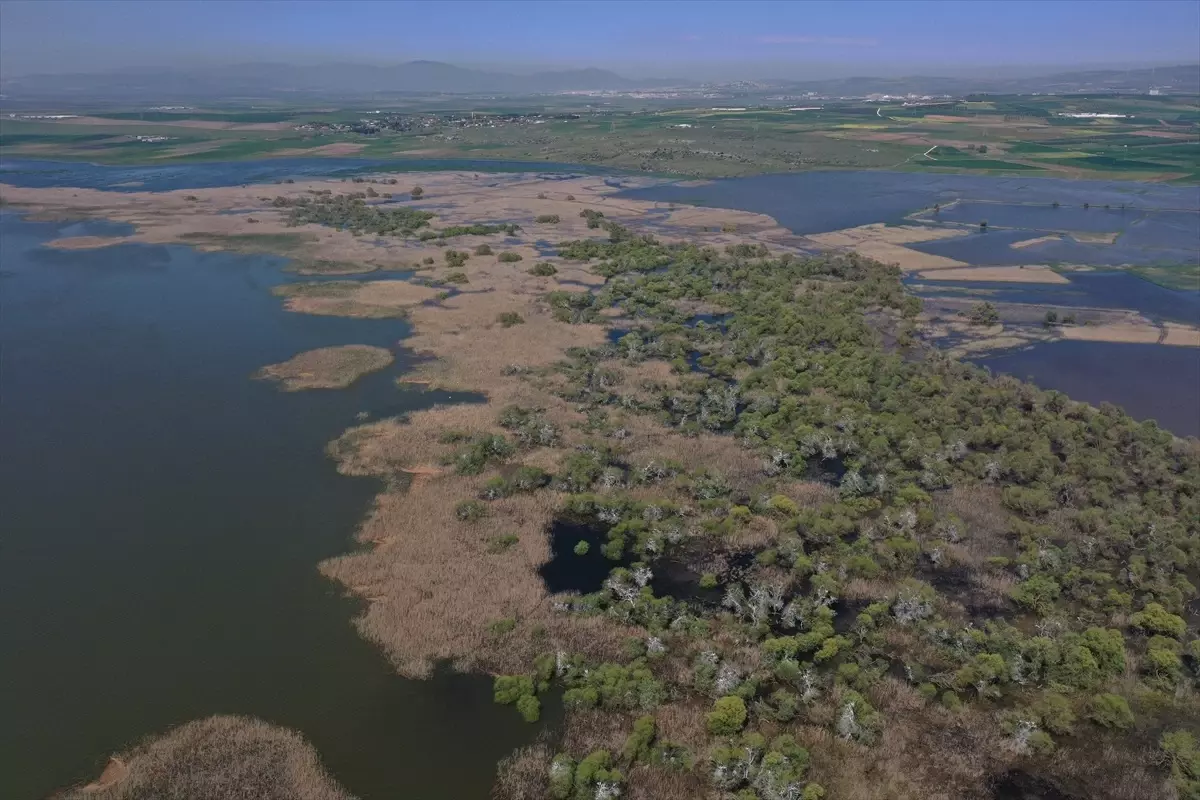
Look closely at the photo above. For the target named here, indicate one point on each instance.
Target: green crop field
(983, 134)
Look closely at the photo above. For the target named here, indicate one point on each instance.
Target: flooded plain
(165, 515)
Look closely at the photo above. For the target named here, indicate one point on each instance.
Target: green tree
(728, 716)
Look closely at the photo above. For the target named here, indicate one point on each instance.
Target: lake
(1149, 382)
(165, 515)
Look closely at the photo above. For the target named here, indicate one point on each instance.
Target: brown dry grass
(524, 774)
(328, 367)
(222, 758)
(366, 299)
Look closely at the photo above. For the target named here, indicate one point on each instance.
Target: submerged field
(817, 557)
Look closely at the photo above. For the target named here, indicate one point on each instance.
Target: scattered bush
(470, 511)
(509, 257)
(543, 269)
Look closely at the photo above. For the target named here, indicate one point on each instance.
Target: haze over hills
(326, 81)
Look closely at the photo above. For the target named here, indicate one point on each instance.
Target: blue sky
(737, 39)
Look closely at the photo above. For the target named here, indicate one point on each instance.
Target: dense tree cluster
(1008, 552)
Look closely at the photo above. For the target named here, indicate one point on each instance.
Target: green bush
(508, 689)
(1156, 619)
(1054, 713)
(529, 707)
(548, 219)
(456, 277)
(483, 250)
(582, 548)
(728, 716)
(498, 544)
(470, 511)
(1110, 711)
(509, 257)
(1183, 754)
(543, 269)
(509, 318)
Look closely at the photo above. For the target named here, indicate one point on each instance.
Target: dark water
(566, 571)
(1086, 290)
(1150, 382)
(163, 518)
(209, 174)
(812, 202)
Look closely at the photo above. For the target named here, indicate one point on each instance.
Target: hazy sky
(737, 39)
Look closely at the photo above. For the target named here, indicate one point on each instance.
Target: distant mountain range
(341, 80)
(1178, 80)
(152, 84)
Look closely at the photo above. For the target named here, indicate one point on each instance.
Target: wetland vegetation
(721, 504)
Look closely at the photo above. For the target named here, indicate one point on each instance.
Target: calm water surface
(1149, 382)
(163, 518)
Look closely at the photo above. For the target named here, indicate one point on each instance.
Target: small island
(327, 367)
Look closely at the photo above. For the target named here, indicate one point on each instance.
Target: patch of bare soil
(1021, 245)
(1136, 330)
(328, 367)
(86, 242)
(885, 243)
(222, 758)
(1025, 274)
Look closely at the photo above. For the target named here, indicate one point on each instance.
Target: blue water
(813, 202)
(164, 515)
(1150, 382)
(1085, 290)
(1041, 217)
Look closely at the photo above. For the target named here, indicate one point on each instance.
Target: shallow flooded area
(1085, 290)
(812, 202)
(164, 517)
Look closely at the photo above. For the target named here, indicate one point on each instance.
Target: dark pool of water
(163, 518)
(567, 571)
(1085, 290)
(1149, 381)
(812, 202)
